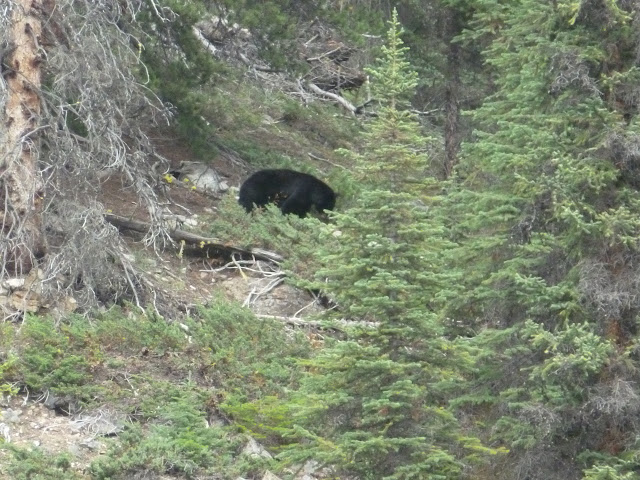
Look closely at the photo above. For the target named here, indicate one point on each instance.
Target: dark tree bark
(452, 94)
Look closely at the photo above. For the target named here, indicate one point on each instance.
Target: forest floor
(27, 422)
(198, 277)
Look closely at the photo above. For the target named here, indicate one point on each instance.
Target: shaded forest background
(478, 280)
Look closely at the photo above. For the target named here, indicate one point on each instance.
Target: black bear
(293, 192)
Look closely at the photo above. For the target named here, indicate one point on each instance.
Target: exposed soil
(30, 424)
(188, 280)
(192, 278)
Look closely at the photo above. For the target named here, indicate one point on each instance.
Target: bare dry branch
(93, 117)
(334, 96)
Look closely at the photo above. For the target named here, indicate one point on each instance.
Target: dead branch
(334, 96)
(326, 325)
(275, 279)
(253, 66)
(206, 43)
(306, 44)
(194, 240)
(265, 270)
(325, 54)
(426, 112)
(94, 109)
(297, 322)
(315, 157)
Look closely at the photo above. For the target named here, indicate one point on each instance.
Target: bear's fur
(293, 192)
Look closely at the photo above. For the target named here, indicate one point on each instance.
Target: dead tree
(73, 105)
(21, 185)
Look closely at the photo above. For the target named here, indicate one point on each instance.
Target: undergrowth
(37, 465)
(179, 389)
(297, 239)
(176, 438)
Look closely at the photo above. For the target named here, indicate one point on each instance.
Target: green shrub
(176, 439)
(249, 356)
(36, 465)
(130, 333)
(53, 358)
(296, 238)
(269, 418)
(6, 372)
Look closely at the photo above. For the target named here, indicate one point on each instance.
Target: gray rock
(255, 450)
(270, 476)
(5, 432)
(91, 444)
(202, 176)
(11, 416)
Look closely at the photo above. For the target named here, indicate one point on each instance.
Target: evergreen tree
(547, 221)
(378, 399)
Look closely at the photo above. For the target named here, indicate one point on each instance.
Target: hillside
(81, 391)
(469, 310)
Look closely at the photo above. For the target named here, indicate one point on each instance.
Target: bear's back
(292, 191)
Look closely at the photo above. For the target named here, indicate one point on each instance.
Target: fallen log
(194, 240)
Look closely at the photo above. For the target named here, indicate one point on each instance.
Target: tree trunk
(21, 186)
(452, 100)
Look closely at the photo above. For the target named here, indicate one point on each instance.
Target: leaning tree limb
(205, 243)
(341, 100)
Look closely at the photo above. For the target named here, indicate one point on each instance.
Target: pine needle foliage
(543, 212)
(394, 156)
(376, 404)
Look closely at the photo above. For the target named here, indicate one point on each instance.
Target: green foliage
(393, 79)
(37, 465)
(273, 21)
(8, 361)
(244, 366)
(247, 356)
(6, 368)
(608, 467)
(393, 156)
(310, 123)
(250, 363)
(377, 405)
(178, 76)
(507, 295)
(214, 104)
(540, 204)
(607, 473)
(574, 352)
(177, 440)
(296, 238)
(52, 358)
(268, 419)
(276, 25)
(130, 333)
(63, 358)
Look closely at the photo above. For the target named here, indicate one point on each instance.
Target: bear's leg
(252, 196)
(298, 202)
